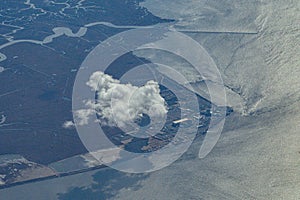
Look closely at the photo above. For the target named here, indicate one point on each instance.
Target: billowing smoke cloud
(121, 104)
(68, 125)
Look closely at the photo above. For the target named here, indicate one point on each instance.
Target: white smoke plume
(68, 125)
(120, 104)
